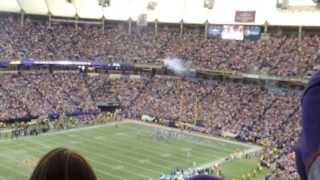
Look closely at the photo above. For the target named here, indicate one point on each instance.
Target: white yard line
(90, 140)
(13, 170)
(195, 134)
(224, 159)
(138, 122)
(168, 146)
(252, 148)
(48, 142)
(187, 133)
(69, 130)
(99, 156)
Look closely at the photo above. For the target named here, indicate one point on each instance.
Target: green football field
(125, 150)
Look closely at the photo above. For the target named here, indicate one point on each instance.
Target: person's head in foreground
(63, 164)
(308, 148)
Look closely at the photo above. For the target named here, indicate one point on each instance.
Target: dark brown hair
(63, 164)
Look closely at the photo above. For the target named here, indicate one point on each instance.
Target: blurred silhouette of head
(63, 164)
(308, 148)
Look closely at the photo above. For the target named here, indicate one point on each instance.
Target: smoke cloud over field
(178, 67)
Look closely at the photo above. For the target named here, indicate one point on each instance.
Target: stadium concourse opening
(160, 89)
(109, 106)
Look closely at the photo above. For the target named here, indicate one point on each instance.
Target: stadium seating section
(250, 111)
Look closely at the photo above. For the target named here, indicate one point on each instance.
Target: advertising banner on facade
(245, 16)
(215, 30)
(252, 32)
(232, 32)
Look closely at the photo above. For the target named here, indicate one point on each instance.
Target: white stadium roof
(171, 11)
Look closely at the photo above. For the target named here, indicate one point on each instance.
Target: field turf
(124, 150)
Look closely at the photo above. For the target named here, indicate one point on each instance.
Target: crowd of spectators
(251, 112)
(25, 95)
(284, 56)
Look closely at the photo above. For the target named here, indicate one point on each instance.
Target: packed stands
(284, 56)
(35, 94)
(252, 112)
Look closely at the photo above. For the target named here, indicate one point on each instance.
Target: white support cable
(50, 16)
(49, 13)
(75, 7)
(103, 17)
(47, 5)
(20, 5)
(102, 22)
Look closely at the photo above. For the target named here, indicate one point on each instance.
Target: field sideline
(121, 150)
